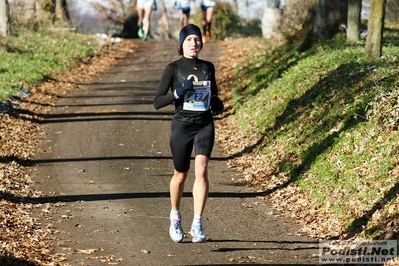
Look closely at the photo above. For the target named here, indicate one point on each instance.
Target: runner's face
(191, 46)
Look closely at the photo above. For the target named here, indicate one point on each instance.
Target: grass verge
(28, 57)
(327, 120)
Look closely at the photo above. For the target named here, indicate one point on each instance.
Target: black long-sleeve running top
(172, 78)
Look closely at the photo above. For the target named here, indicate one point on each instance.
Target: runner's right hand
(187, 86)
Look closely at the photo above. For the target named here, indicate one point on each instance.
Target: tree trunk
(164, 22)
(392, 11)
(130, 27)
(5, 28)
(321, 19)
(353, 30)
(375, 28)
(62, 17)
(329, 16)
(235, 6)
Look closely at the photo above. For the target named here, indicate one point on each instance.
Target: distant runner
(144, 10)
(207, 7)
(184, 11)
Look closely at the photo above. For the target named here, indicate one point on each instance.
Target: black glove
(216, 105)
(187, 86)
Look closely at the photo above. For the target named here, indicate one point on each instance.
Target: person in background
(192, 126)
(184, 11)
(207, 7)
(144, 9)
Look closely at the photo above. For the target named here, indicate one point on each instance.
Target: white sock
(197, 219)
(175, 215)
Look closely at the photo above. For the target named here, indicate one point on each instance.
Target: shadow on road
(121, 196)
(11, 261)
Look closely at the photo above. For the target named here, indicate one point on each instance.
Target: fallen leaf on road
(86, 251)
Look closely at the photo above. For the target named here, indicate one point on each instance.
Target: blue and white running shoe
(175, 230)
(198, 233)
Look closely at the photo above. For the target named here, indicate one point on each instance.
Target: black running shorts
(186, 135)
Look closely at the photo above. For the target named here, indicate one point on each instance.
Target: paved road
(106, 176)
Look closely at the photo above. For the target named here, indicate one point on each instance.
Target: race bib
(199, 99)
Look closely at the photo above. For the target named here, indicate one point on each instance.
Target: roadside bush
(226, 23)
(30, 15)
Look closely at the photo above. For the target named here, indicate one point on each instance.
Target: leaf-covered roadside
(23, 240)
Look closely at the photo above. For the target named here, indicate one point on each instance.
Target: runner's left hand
(216, 105)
